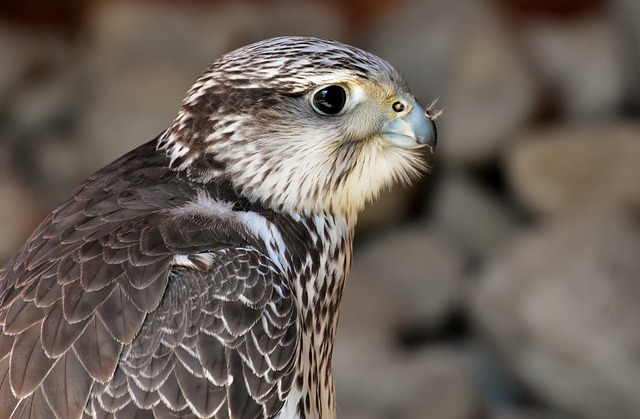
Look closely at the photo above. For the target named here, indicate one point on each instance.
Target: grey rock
(465, 212)
(580, 62)
(253, 21)
(626, 14)
(403, 278)
(389, 209)
(413, 268)
(522, 413)
(128, 109)
(125, 35)
(554, 170)
(560, 311)
(39, 108)
(434, 383)
(20, 213)
(25, 52)
(142, 59)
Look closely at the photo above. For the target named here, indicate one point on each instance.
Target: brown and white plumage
(200, 274)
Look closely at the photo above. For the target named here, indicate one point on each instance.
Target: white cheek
(357, 94)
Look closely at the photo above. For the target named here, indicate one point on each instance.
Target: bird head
(301, 124)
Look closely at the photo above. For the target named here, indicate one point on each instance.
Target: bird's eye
(329, 100)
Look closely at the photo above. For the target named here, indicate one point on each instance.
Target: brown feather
(57, 334)
(79, 305)
(21, 315)
(98, 351)
(67, 387)
(34, 406)
(121, 317)
(7, 400)
(29, 363)
(203, 395)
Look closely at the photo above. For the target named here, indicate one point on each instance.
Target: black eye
(329, 100)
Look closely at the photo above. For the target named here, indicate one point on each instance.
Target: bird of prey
(200, 274)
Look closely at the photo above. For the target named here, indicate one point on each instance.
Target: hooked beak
(413, 130)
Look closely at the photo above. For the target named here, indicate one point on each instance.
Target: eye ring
(329, 100)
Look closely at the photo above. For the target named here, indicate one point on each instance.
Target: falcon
(200, 274)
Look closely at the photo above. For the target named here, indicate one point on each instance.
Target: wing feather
(68, 386)
(79, 305)
(203, 396)
(120, 316)
(95, 319)
(22, 315)
(212, 354)
(57, 333)
(29, 363)
(98, 351)
(95, 273)
(171, 393)
(32, 407)
(7, 399)
(215, 367)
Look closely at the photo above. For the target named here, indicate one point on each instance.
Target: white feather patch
(260, 227)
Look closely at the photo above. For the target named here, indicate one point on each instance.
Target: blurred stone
(460, 52)
(489, 95)
(418, 273)
(129, 109)
(433, 383)
(60, 162)
(404, 279)
(142, 59)
(191, 35)
(30, 54)
(442, 384)
(12, 44)
(20, 213)
(580, 64)
(627, 14)
(522, 413)
(561, 311)
(467, 213)
(496, 389)
(253, 21)
(126, 35)
(368, 322)
(41, 132)
(555, 169)
(40, 109)
(390, 208)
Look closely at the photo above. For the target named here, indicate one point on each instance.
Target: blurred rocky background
(505, 286)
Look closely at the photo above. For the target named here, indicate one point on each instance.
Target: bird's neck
(318, 284)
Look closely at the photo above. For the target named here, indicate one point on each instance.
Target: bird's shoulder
(135, 212)
(103, 275)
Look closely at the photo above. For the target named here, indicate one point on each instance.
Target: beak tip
(429, 135)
